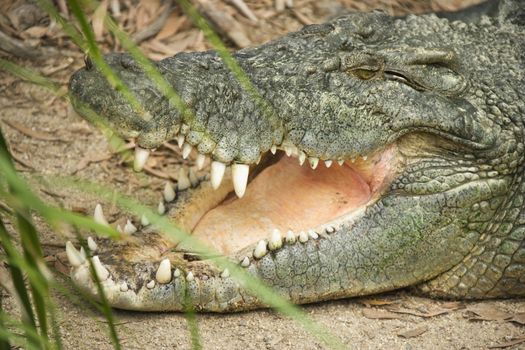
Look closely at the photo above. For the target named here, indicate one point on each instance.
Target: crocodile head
(364, 155)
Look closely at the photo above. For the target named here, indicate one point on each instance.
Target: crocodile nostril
(88, 62)
(127, 62)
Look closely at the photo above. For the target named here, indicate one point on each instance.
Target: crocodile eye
(364, 74)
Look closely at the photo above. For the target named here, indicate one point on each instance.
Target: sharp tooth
(245, 262)
(312, 234)
(194, 180)
(225, 273)
(74, 257)
(163, 274)
(258, 160)
(302, 158)
(365, 157)
(129, 228)
(330, 229)
(83, 253)
(260, 250)
(273, 149)
(141, 157)
(186, 150)
(341, 161)
(303, 237)
(217, 172)
(119, 229)
(353, 160)
(189, 276)
(276, 240)
(150, 284)
(123, 287)
(328, 163)
(176, 273)
(180, 140)
(288, 150)
(100, 270)
(183, 182)
(92, 245)
(144, 220)
(290, 237)
(240, 178)
(161, 209)
(201, 158)
(99, 215)
(169, 192)
(313, 162)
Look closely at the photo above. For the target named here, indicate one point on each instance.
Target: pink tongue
(285, 196)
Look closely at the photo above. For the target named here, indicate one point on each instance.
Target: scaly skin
(447, 97)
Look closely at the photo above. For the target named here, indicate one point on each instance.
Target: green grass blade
(17, 277)
(36, 341)
(32, 249)
(32, 254)
(105, 307)
(28, 75)
(193, 327)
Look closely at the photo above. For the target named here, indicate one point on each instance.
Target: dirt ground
(46, 142)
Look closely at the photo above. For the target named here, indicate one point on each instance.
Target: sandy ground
(47, 142)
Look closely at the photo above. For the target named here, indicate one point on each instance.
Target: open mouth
(284, 196)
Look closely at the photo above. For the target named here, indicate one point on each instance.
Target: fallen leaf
(375, 302)
(172, 25)
(31, 133)
(160, 47)
(60, 263)
(452, 305)
(34, 32)
(91, 159)
(510, 343)
(98, 20)
(426, 314)
(517, 317)
(411, 333)
(379, 314)
(484, 312)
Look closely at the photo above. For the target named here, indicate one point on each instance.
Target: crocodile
(363, 155)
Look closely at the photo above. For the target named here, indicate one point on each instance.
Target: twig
(224, 23)
(63, 8)
(158, 173)
(244, 9)
(173, 148)
(302, 18)
(21, 162)
(155, 26)
(31, 133)
(86, 161)
(17, 48)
